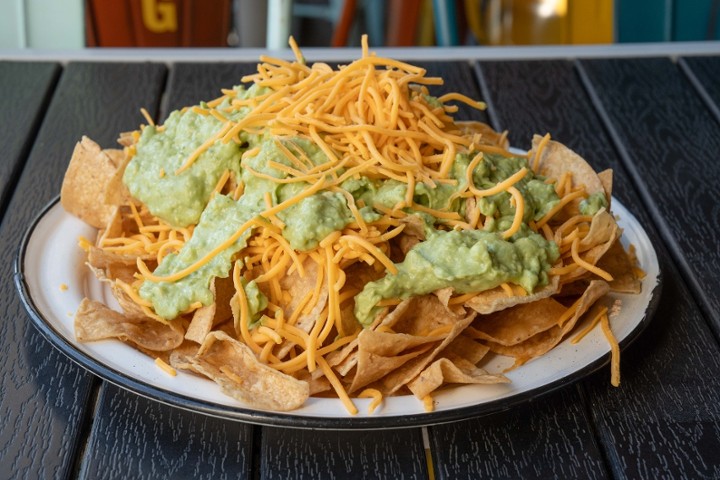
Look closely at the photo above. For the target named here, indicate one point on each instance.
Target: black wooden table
(654, 119)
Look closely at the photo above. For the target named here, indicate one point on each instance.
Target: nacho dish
(335, 232)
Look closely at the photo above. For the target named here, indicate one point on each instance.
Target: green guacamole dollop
(150, 176)
(467, 261)
(591, 205)
(219, 221)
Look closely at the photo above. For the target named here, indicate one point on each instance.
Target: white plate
(49, 258)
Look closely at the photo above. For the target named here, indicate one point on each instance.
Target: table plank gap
(79, 468)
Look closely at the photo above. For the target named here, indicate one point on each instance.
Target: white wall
(46, 24)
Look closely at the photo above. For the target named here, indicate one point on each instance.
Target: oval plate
(52, 279)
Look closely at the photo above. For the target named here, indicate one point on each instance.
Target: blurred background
(71, 24)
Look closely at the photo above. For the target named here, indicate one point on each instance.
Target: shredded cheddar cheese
(371, 119)
(165, 367)
(376, 396)
(614, 351)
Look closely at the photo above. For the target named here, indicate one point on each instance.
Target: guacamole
(593, 204)
(468, 260)
(218, 222)
(150, 176)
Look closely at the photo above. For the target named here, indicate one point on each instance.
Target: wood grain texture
(548, 438)
(706, 72)
(189, 83)
(667, 139)
(664, 421)
(43, 396)
(133, 437)
(25, 88)
(392, 454)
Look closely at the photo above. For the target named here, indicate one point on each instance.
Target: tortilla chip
(444, 371)
(379, 353)
(604, 231)
(345, 359)
(233, 366)
(299, 287)
(94, 321)
(531, 348)
(124, 273)
(168, 355)
(127, 139)
(116, 192)
(556, 159)
(371, 367)
(544, 341)
(575, 288)
(85, 182)
(431, 317)
(412, 234)
(496, 299)
(606, 178)
(116, 156)
(97, 257)
(204, 318)
(618, 263)
(467, 348)
(517, 324)
(420, 316)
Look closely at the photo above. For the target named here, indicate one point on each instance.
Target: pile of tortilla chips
(416, 346)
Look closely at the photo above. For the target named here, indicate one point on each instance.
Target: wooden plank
(671, 372)
(115, 450)
(667, 139)
(133, 437)
(549, 438)
(26, 88)
(290, 453)
(44, 396)
(703, 73)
